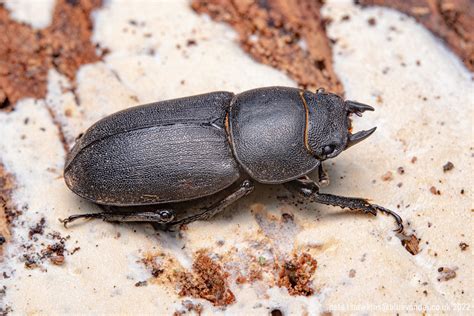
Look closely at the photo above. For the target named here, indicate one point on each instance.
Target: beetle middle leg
(245, 188)
(309, 189)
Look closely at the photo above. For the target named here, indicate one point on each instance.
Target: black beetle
(184, 149)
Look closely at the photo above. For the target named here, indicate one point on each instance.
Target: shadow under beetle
(184, 149)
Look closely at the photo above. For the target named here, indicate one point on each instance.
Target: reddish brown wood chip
(208, 281)
(411, 244)
(286, 34)
(26, 55)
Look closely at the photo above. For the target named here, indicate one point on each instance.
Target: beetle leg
(162, 216)
(323, 176)
(309, 189)
(206, 213)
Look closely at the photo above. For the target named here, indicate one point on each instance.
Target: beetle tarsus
(72, 218)
(309, 189)
(397, 217)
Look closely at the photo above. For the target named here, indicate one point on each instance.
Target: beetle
(164, 153)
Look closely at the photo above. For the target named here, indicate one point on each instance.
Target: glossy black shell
(267, 128)
(167, 151)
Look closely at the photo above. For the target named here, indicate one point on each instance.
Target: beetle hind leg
(309, 189)
(162, 216)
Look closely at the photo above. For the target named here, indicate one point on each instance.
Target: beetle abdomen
(267, 128)
(174, 153)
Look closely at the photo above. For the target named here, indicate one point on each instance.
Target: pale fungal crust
(38, 14)
(142, 69)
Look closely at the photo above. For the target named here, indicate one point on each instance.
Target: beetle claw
(397, 218)
(63, 221)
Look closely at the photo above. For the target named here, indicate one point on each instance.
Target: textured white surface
(37, 13)
(141, 68)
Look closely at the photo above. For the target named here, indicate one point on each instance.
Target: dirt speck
(191, 42)
(448, 166)
(346, 17)
(435, 191)
(207, 281)
(241, 279)
(388, 176)
(188, 307)
(463, 246)
(296, 275)
(276, 312)
(38, 229)
(379, 98)
(151, 263)
(352, 273)
(57, 259)
(287, 217)
(372, 21)
(446, 274)
(141, 283)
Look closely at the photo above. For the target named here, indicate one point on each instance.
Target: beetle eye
(328, 149)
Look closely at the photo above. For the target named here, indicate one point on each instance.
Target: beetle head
(329, 124)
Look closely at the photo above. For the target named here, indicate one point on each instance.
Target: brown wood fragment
(411, 244)
(26, 54)
(285, 34)
(208, 281)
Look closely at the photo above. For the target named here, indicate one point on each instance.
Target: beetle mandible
(178, 150)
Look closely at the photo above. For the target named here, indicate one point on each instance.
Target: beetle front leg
(309, 189)
(323, 176)
(206, 213)
(162, 216)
